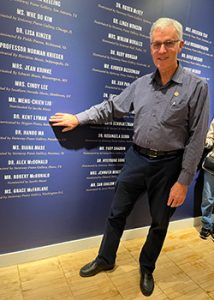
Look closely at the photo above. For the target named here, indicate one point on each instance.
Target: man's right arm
(100, 113)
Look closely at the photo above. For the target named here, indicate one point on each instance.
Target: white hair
(166, 22)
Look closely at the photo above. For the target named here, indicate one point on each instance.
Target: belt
(152, 153)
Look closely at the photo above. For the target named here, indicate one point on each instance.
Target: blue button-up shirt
(166, 117)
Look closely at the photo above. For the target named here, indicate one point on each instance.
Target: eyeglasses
(167, 44)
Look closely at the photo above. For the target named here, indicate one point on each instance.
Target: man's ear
(181, 44)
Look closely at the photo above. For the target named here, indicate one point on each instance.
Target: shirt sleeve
(198, 126)
(109, 109)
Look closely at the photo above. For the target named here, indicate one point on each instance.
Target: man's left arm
(198, 126)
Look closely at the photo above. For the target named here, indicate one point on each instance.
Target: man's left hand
(177, 194)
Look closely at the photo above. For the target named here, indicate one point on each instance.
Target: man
(170, 125)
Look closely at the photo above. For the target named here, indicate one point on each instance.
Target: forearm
(97, 114)
(107, 110)
(198, 126)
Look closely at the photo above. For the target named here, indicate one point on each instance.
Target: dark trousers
(140, 175)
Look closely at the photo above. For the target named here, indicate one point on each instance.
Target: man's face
(165, 47)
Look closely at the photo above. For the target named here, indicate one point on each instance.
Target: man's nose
(162, 48)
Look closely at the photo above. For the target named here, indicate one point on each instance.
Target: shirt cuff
(185, 177)
(82, 118)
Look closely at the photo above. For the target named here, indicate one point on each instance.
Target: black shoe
(93, 268)
(146, 284)
(204, 233)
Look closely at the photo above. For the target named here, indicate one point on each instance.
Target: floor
(185, 270)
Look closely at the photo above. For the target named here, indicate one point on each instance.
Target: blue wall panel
(64, 56)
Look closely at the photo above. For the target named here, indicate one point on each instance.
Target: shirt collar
(177, 77)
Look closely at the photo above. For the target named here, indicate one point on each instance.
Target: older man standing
(171, 110)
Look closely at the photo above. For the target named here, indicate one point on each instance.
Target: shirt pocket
(176, 111)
